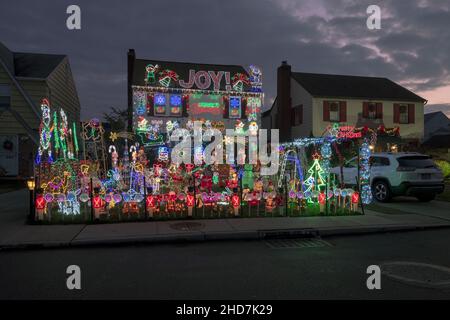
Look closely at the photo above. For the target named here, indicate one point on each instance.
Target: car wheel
(381, 192)
(426, 197)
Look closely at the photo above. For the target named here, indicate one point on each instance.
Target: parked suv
(396, 174)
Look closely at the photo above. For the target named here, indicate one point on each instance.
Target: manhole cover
(296, 243)
(187, 226)
(418, 274)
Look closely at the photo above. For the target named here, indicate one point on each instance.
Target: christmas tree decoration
(316, 179)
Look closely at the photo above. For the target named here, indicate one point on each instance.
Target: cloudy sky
(412, 47)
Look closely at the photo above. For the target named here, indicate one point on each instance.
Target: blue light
(160, 99)
(235, 102)
(175, 100)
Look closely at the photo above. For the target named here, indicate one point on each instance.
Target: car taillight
(400, 168)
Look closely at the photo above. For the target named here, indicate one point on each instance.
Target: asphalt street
(333, 269)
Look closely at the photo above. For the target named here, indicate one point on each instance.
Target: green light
(75, 139)
(209, 104)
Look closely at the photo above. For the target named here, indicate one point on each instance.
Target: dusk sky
(412, 47)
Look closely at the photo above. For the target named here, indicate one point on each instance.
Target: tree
(117, 118)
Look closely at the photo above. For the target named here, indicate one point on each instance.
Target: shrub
(445, 168)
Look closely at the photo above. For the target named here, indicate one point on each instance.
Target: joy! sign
(203, 79)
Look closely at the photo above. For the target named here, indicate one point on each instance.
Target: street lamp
(31, 184)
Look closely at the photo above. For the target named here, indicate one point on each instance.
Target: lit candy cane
(133, 151)
(114, 155)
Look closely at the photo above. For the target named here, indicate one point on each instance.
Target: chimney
(284, 101)
(130, 65)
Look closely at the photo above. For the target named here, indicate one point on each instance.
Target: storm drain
(187, 226)
(297, 243)
(418, 274)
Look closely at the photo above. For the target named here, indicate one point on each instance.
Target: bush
(445, 168)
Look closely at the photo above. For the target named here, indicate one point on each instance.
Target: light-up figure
(45, 133)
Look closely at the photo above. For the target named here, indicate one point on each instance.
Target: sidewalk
(14, 233)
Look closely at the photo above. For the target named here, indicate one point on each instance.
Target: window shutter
(379, 114)
(411, 113)
(243, 108)
(292, 115)
(365, 109)
(226, 106)
(150, 111)
(396, 113)
(342, 111)
(326, 111)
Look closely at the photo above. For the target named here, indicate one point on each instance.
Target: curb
(220, 236)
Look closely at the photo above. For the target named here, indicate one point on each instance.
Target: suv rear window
(379, 161)
(416, 162)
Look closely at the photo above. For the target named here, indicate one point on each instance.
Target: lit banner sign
(348, 132)
(206, 104)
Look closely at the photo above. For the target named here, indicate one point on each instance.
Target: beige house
(25, 79)
(308, 103)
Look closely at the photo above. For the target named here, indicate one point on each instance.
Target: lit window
(235, 107)
(175, 105)
(160, 104)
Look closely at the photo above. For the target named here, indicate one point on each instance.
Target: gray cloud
(314, 36)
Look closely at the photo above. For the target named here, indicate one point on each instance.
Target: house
(307, 103)
(25, 79)
(163, 95)
(436, 123)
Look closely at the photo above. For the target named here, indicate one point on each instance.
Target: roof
(432, 115)
(35, 65)
(29, 65)
(182, 69)
(373, 88)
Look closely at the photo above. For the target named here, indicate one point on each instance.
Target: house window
(5, 96)
(403, 114)
(371, 110)
(334, 111)
(297, 115)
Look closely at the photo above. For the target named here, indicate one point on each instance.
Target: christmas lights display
(137, 177)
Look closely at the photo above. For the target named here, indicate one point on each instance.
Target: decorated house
(165, 95)
(307, 104)
(25, 78)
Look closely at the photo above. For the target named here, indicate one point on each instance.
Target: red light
(40, 203)
(235, 201)
(321, 198)
(98, 202)
(190, 200)
(150, 202)
(355, 197)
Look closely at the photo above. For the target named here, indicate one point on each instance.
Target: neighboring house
(307, 103)
(161, 93)
(436, 123)
(25, 79)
